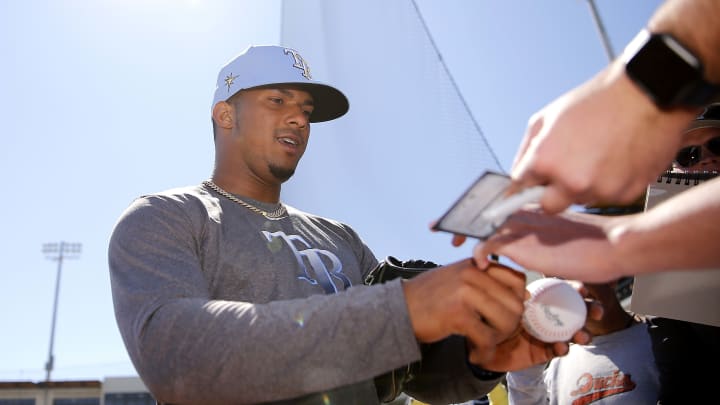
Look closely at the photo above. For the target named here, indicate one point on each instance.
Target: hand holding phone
(485, 206)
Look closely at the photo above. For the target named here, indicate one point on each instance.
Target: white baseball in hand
(554, 311)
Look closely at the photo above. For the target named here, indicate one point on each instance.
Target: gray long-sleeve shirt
(218, 305)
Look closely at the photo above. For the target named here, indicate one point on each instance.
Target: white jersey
(617, 368)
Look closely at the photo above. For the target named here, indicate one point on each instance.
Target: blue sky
(105, 100)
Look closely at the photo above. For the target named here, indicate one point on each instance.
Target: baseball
(554, 311)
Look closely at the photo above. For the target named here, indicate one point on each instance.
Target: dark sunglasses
(690, 155)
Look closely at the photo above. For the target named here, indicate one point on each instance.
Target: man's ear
(223, 114)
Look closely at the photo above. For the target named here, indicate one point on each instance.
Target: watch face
(665, 70)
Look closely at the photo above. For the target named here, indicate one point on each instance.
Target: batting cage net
(409, 144)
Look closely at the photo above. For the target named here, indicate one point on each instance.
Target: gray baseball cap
(267, 65)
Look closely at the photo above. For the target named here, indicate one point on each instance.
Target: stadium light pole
(58, 252)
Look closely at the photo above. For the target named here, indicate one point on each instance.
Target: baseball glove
(392, 384)
(391, 268)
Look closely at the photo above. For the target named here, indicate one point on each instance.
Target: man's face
(702, 157)
(271, 130)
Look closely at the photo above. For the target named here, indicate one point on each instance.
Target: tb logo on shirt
(330, 278)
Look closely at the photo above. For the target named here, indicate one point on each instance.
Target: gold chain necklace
(278, 213)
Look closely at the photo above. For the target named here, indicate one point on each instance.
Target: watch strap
(669, 73)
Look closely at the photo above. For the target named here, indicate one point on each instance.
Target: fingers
(483, 252)
(480, 354)
(480, 256)
(485, 306)
(512, 279)
(490, 247)
(483, 342)
(582, 337)
(524, 222)
(556, 199)
(458, 240)
(559, 349)
(523, 156)
(496, 296)
(595, 310)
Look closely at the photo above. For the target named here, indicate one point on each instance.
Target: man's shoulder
(177, 193)
(179, 198)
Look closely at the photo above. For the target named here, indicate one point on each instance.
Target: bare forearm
(681, 233)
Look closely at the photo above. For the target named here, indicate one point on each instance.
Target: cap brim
(328, 102)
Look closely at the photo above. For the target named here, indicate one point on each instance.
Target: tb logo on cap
(299, 63)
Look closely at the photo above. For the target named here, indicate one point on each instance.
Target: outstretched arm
(605, 140)
(599, 248)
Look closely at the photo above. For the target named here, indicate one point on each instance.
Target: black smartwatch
(668, 72)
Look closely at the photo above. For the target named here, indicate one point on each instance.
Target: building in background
(111, 391)
(125, 391)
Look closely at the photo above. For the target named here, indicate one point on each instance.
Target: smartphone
(485, 206)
